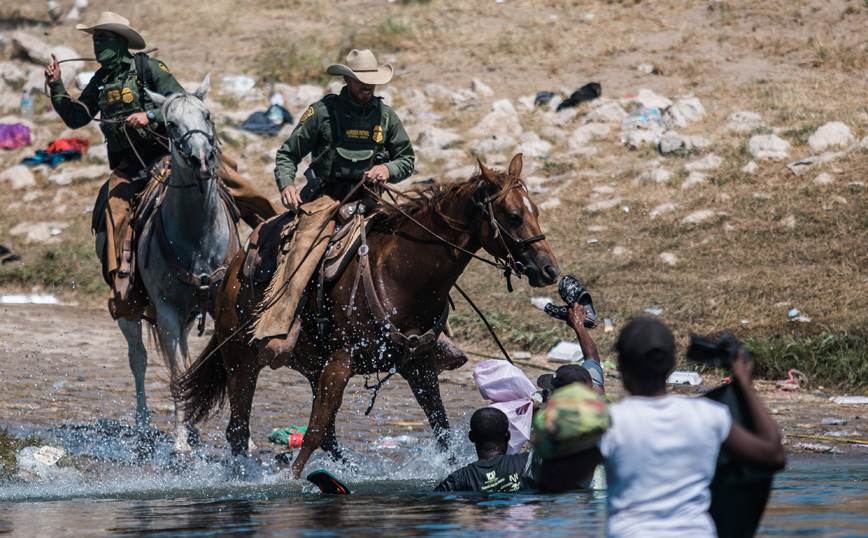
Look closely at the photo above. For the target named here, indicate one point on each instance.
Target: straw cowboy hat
(113, 22)
(362, 66)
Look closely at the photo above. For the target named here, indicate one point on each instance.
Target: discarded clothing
(65, 149)
(542, 98)
(14, 136)
(291, 436)
(588, 92)
(267, 123)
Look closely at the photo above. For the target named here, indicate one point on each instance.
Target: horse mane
(431, 197)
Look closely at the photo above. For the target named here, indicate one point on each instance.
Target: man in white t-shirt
(661, 450)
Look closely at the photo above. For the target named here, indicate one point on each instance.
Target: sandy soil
(67, 365)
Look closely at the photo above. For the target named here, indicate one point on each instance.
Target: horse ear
(157, 98)
(515, 165)
(487, 175)
(202, 91)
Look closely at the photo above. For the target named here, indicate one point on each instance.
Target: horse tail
(202, 387)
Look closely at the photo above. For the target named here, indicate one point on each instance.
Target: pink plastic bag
(14, 136)
(511, 391)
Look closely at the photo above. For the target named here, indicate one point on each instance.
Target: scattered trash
(794, 378)
(841, 433)
(395, 442)
(607, 325)
(593, 240)
(28, 299)
(745, 322)
(794, 312)
(801, 319)
(291, 436)
(588, 92)
(512, 392)
(522, 355)
(26, 104)
(14, 136)
(818, 447)
(542, 98)
(641, 118)
(65, 149)
(541, 302)
(626, 209)
(680, 378)
(566, 352)
(645, 68)
(267, 123)
(834, 421)
(849, 399)
(236, 84)
(653, 311)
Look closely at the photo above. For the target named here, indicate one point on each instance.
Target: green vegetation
(9, 447)
(391, 35)
(513, 328)
(280, 60)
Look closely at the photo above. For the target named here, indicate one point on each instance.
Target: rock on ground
(768, 147)
(698, 216)
(603, 204)
(800, 167)
(660, 209)
(744, 122)
(494, 144)
(481, 89)
(68, 176)
(606, 111)
(684, 111)
(39, 232)
(31, 47)
(587, 133)
(436, 138)
(639, 137)
(709, 162)
(824, 179)
(649, 99)
(672, 143)
(668, 258)
(831, 135)
(657, 175)
(19, 177)
(750, 167)
(695, 178)
(532, 145)
(499, 123)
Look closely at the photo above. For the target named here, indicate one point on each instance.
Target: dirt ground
(65, 364)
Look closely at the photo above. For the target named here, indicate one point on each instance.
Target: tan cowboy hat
(362, 66)
(113, 22)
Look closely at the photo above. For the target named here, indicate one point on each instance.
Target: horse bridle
(177, 144)
(484, 203)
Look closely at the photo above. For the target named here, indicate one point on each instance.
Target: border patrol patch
(127, 96)
(163, 67)
(307, 113)
(378, 134)
(113, 95)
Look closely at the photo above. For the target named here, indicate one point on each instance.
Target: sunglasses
(103, 38)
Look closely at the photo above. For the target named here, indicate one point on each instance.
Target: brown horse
(412, 274)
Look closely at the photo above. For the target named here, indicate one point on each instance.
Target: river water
(115, 495)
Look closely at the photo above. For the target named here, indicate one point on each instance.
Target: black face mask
(109, 53)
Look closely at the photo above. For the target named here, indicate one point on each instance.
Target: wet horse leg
(327, 400)
(173, 334)
(421, 375)
(330, 442)
(242, 385)
(138, 355)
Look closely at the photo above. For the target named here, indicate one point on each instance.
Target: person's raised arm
(576, 319)
(761, 448)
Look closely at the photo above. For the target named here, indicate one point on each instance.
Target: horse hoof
(180, 462)
(193, 437)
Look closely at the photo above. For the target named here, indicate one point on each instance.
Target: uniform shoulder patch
(307, 113)
(163, 67)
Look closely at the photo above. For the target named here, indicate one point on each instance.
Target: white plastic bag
(511, 391)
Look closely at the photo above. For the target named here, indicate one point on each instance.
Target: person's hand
(743, 368)
(576, 315)
(290, 198)
(52, 72)
(378, 173)
(137, 120)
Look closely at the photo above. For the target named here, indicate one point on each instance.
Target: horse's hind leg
(242, 385)
(329, 394)
(330, 440)
(138, 355)
(421, 375)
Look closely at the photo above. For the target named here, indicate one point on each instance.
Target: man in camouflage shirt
(350, 136)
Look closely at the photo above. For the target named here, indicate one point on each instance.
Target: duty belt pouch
(314, 187)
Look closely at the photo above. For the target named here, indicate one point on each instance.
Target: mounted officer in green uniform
(350, 136)
(117, 93)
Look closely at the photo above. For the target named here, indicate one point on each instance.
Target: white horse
(183, 249)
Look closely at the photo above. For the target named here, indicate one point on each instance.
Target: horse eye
(515, 218)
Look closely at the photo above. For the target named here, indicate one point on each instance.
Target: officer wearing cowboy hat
(116, 92)
(350, 136)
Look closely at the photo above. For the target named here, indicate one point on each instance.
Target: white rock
(436, 138)
(526, 103)
(39, 232)
(660, 209)
(463, 172)
(70, 175)
(237, 85)
(645, 68)
(649, 99)
(495, 144)
(11, 73)
(709, 162)
(32, 47)
(789, 222)
(768, 147)
(334, 87)
(698, 216)
(587, 133)
(744, 122)
(70, 69)
(553, 133)
(603, 189)
(605, 112)
(551, 203)
(800, 167)
(684, 111)
(750, 167)
(480, 88)
(657, 175)
(561, 118)
(19, 177)
(640, 137)
(668, 258)
(694, 178)
(499, 123)
(463, 96)
(532, 145)
(603, 204)
(860, 145)
(306, 95)
(621, 251)
(504, 105)
(824, 179)
(433, 91)
(831, 135)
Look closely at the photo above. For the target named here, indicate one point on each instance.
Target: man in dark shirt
(495, 471)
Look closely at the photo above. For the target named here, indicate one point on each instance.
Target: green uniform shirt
(115, 94)
(361, 127)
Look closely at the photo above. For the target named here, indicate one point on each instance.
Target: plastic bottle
(641, 118)
(26, 105)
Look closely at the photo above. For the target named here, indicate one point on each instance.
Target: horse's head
(509, 224)
(191, 132)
